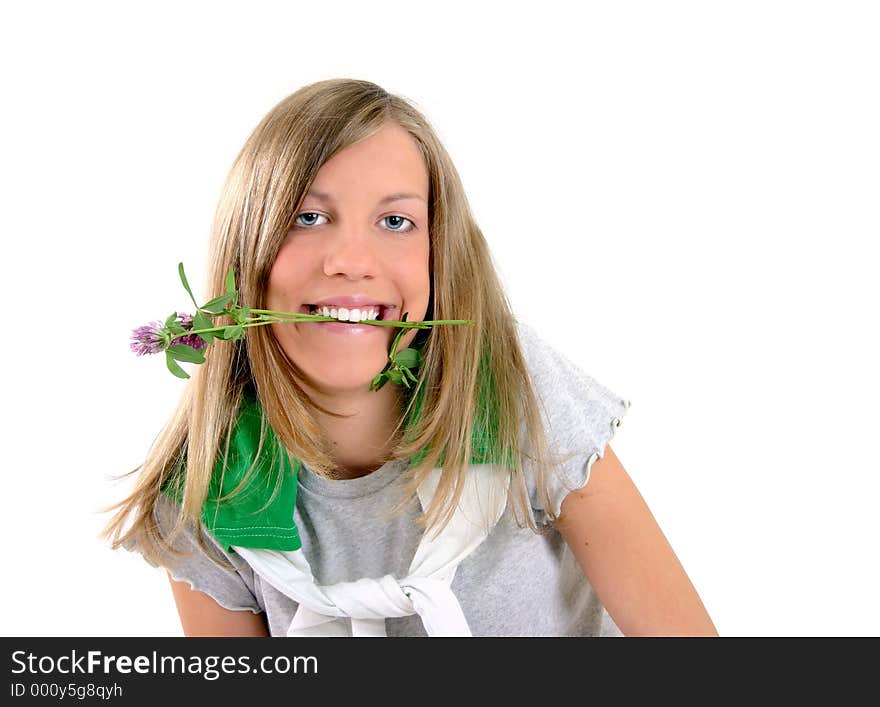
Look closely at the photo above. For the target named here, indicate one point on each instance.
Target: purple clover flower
(147, 339)
(194, 340)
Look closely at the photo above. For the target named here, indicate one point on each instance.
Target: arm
(200, 615)
(627, 559)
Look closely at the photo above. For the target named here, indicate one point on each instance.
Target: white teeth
(346, 315)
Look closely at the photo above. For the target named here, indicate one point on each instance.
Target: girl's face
(362, 232)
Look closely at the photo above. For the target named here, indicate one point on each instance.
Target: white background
(681, 196)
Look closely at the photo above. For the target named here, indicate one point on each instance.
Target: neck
(361, 442)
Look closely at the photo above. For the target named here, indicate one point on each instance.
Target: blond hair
(472, 377)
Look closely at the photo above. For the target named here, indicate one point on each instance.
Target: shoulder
(187, 561)
(166, 512)
(580, 415)
(554, 372)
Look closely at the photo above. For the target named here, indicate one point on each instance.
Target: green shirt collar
(253, 518)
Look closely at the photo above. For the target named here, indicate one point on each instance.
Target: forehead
(388, 163)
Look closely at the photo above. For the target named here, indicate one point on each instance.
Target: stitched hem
(615, 423)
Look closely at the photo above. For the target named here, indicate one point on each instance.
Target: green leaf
(411, 358)
(185, 352)
(230, 281)
(200, 321)
(186, 284)
(233, 331)
(241, 314)
(176, 328)
(408, 373)
(174, 368)
(378, 382)
(218, 304)
(171, 319)
(395, 375)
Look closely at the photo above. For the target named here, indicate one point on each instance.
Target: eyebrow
(398, 196)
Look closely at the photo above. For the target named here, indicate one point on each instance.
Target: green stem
(287, 314)
(318, 318)
(377, 322)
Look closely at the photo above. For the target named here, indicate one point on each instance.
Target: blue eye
(398, 220)
(402, 218)
(307, 213)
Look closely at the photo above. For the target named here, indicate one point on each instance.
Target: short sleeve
(231, 589)
(580, 418)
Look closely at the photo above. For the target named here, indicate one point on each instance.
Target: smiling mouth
(383, 314)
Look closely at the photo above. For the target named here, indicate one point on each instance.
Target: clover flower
(151, 338)
(194, 340)
(147, 339)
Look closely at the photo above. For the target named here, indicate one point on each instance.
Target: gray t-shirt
(516, 583)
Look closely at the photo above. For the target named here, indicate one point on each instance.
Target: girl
(287, 496)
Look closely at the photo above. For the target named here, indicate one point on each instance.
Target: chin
(344, 381)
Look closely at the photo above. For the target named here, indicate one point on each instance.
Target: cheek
(283, 277)
(275, 289)
(416, 271)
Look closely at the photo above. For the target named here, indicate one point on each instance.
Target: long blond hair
(464, 366)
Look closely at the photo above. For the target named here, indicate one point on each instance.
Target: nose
(351, 252)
